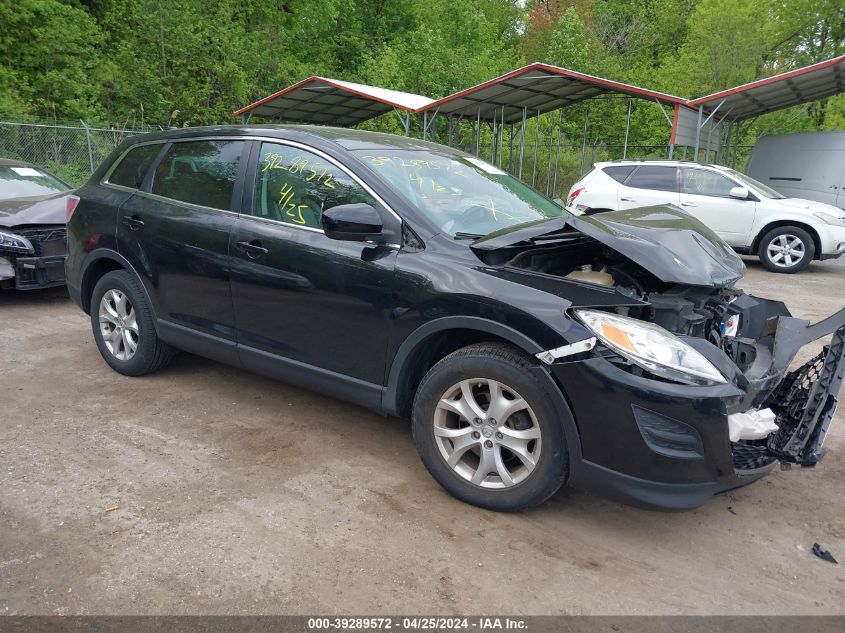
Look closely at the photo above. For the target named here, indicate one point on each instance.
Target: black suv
(530, 347)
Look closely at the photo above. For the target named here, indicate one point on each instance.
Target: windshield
(464, 196)
(764, 190)
(20, 181)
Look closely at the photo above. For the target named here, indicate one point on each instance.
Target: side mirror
(357, 222)
(739, 192)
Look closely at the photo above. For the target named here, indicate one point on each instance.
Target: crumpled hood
(670, 244)
(48, 209)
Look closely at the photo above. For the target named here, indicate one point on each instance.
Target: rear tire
(124, 327)
(505, 464)
(786, 249)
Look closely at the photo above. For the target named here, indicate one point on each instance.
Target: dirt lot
(237, 494)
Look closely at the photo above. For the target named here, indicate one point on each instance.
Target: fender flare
(418, 337)
(106, 253)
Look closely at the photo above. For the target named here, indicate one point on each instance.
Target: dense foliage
(177, 62)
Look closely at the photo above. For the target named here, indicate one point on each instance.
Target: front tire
(124, 328)
(486, 430)
(786, 249)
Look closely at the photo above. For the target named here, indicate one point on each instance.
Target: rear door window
(199, 172)
(619, 172)
(295, 186)
(654, 177)
(134, 165)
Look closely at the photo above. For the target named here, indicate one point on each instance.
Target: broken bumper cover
(39, 272)
(662, 445)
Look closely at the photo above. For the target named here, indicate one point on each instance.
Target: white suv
(785, 233)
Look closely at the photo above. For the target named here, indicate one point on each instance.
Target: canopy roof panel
(333, 102)
(537, 87)
(780, 91)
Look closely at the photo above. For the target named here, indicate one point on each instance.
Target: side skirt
(272, 365)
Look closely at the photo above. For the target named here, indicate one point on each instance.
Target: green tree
(50, 58)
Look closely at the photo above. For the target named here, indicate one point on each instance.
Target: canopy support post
(407, 123)
(510, 150)
(698, 133)
(478, 135)
(627, 130)
(536, 148)
(522, 141)
(584, 142)
(557, 153)
(549, 164)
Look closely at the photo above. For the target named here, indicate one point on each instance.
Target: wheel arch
(434, 340)
(755, 245)
(99, 263)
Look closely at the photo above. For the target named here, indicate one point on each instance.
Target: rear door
(175, 232)
(705, 194)
(309, 308)
(649, 185)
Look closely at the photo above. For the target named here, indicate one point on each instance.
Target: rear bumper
(31, 273)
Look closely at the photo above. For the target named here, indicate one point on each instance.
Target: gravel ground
(207, 489)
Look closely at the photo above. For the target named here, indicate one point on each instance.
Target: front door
(308, 308)
(706, 196)
(175, 232)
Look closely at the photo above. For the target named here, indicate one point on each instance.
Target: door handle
(253, 249)
(689, 204)
(134, 222)
(627, 199)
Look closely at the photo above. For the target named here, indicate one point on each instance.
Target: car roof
(675, 163)
(347, 138)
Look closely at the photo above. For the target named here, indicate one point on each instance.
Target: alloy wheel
(118, 325)
(487, 433)
(785, 250)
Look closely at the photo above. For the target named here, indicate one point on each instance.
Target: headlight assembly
(830, 219)
(11, 242)
(651, 347)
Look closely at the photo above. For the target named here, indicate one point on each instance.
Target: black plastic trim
(312, 378)
(390, 401)
(654, 495)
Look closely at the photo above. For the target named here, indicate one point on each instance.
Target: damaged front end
(658, 266)
(803, 400)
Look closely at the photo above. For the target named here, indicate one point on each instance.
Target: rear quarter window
(132, 168)
(619, 172)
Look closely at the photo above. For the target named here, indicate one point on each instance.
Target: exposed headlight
(651, 347)
(830, 219)
(15, 243)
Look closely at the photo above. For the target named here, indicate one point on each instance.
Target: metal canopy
(534, 88)
(332, 102)
(780, 91)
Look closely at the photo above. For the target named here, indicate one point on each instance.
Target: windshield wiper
(467, 236)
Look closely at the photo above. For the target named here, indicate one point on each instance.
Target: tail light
(71, 203)
(574, 195)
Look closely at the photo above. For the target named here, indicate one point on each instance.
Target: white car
(785, 233)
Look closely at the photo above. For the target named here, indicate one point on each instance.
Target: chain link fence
(70, 152)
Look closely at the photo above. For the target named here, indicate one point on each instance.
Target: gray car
(34, 206)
